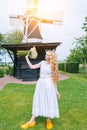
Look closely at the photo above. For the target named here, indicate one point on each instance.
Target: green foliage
(72, 67)
(1, 72)
(22, 53)
(85, 25)
(1, 40)
(1, 37)
(82, 45)
(82, 70)
(69, 67)
(79, 53)
(13, 37)
(61, 66)
(8, 70)
(75, 56)
(16, 105)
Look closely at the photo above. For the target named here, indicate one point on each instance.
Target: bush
(1, 72)
(82, 70)
(9, 70)
(72, 67)
(61, 66)
(69, 67)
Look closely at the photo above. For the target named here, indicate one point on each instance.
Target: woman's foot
(49, 124)
(28, 125)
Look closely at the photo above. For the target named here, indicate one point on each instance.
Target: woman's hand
(58, 94)
(27, 56)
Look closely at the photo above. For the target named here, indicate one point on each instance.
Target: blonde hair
(52, 58)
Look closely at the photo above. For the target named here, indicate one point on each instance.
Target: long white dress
(45, 101)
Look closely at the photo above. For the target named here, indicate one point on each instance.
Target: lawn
(16, 105)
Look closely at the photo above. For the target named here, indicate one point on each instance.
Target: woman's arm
(35, 66)
(57, 93)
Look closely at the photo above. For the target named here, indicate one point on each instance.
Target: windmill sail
(32, 31)
(33, 15)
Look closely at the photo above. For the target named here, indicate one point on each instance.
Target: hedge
(69, 67)
(61, 66)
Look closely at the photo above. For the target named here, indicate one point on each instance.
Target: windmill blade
(32, 7)
(16, 20)
(56, 18)
(44, 12)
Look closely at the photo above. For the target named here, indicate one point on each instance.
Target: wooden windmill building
(31, 37)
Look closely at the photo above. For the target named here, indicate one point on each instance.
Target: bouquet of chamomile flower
(33, 53)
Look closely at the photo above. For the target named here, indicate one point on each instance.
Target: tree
(85, 25)
(85, 50)
(82, 46)
(13, 37)
(1, 37)
(79, 53)
(75, 56)
(1, 40)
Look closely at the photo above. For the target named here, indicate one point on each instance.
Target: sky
(75, 12)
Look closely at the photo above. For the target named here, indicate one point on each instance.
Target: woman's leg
(32, 119)
(48, 119)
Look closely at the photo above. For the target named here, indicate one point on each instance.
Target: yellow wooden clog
(28, 125)
(49, 124)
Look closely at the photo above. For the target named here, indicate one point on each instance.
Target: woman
(45, 97)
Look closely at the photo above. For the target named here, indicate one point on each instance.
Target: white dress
(45, 101)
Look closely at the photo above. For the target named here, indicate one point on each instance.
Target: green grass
(16, 105)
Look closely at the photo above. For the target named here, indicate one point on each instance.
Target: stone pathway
(10, 79)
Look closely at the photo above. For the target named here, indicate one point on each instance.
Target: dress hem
(46, 116)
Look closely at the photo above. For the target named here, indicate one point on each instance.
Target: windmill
(32, 18)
